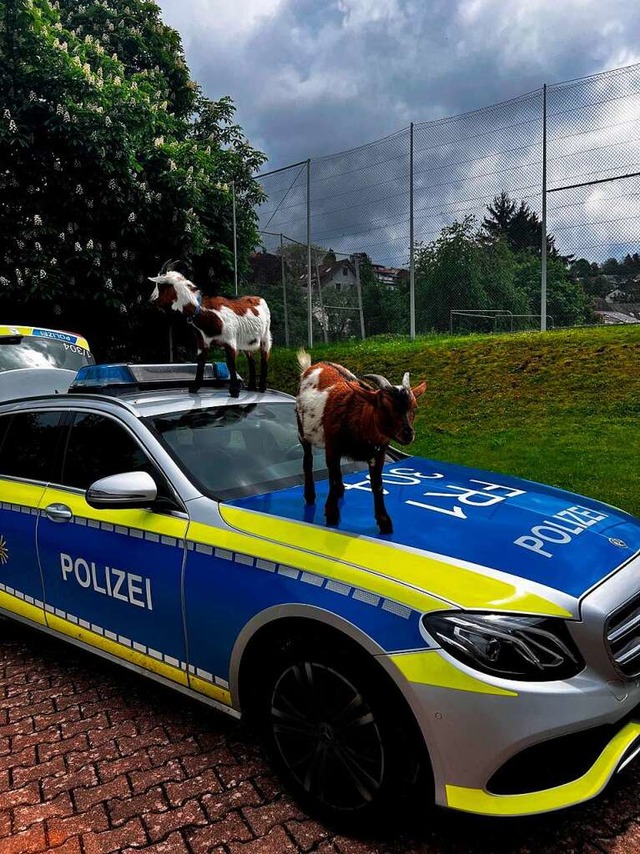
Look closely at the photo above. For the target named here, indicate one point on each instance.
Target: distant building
(266, 269)
(390, 276)
(337, 275)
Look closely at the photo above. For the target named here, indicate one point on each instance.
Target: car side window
(28, 444)
(98, 447)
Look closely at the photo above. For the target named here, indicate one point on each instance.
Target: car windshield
(237, 450)
(30, 351)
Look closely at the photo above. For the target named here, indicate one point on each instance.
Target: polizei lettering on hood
(108, 580)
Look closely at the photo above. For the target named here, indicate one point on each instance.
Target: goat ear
(419, 390)
(406, 382)
(154, 279)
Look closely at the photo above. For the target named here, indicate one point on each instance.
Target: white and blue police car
(488, 649)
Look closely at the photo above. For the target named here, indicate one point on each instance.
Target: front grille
(623, 637)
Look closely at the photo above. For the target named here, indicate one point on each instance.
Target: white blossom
(4, 281)
(43, 275)
(108, 122)
(62, 235)
(132, 217)
(172, 166)
(37, 246)
(59, 109)
(13, 127)
(79, 190)
(66, 117)
(54, 262)
(32, 95)
(77, 247)
(37, 219)
(112, 184)
(117, 81)
(109, 285)
(90, 244)
(158, 141)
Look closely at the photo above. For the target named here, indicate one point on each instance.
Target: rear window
(40, 351)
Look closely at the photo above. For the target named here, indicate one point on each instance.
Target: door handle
(58, 513)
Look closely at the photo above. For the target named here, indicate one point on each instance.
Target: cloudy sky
(312, 77)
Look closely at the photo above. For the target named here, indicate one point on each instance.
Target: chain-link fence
(439, 226)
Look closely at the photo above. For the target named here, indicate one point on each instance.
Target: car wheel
(340, 743)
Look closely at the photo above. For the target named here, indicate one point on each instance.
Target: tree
(518, 225)
(115, 163)
(459, 270)
(567, 303)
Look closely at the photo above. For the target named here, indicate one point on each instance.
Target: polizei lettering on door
(117, 583)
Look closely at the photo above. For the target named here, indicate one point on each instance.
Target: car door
(112, 577)
(28, 442)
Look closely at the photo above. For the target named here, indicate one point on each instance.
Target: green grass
(562, 408)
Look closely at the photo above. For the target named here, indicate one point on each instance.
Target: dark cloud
(314, 77)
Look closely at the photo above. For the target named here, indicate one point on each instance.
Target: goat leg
(234, 382)
(336, 488)
(264, 363)
(251, 360)
(307, 467)
(199, 371)
(375, 474)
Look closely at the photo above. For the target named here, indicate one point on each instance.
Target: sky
(314, 77)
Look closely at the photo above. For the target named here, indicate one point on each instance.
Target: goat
(242, 324)
(351, 418)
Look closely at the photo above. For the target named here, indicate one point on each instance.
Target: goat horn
(166, 267)
(377, 380)
(405, 381)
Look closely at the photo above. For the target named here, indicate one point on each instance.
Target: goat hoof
(309, 499)
(332, 519)
(234, 391)
(193, 389)
(386, 526)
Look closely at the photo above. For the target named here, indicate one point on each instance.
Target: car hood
(450, 518)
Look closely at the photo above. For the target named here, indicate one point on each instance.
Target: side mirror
(129, 490)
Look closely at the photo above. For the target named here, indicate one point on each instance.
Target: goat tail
(304, 359)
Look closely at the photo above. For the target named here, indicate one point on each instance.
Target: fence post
(543, 247)
(309, 294)
(284, 293)
(412, 270)
(235, 237)
(356, 259)
(325, 317)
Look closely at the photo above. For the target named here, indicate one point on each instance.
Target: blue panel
(530, 530)
(120, 582)
(18, 559)
(223, 595)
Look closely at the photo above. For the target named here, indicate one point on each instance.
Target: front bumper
(511, 748)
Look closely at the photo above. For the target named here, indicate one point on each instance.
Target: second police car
(489, 649)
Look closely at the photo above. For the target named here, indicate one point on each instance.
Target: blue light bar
(131, 377)
(98, 376)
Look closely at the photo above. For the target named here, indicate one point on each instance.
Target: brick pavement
(94, 760)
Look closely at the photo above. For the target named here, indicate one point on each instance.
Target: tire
(340, 738)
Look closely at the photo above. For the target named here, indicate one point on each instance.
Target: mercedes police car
(489, 649)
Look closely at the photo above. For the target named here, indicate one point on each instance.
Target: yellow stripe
(25, 494)
(117, 649)
(141, 519)
(585, 787)
(463, 586)
(326, 567)
(23, 609)
(28, 330)
(430, 668)
(214, 691)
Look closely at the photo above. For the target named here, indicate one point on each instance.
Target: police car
(489, 649)
(40, 358)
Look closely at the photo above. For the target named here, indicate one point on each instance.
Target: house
(334, 274)
(389, 276)
(266, 268)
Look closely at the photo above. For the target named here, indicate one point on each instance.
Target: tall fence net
(472, 196)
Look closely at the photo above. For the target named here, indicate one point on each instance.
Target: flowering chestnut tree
(111, 162)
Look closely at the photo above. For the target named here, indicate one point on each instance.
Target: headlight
(532, 648)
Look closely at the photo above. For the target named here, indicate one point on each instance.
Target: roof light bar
(124, 377)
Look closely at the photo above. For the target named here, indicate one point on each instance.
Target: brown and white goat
(237, 325)
(351, 418)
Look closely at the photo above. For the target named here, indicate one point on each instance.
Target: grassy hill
(562, 408)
